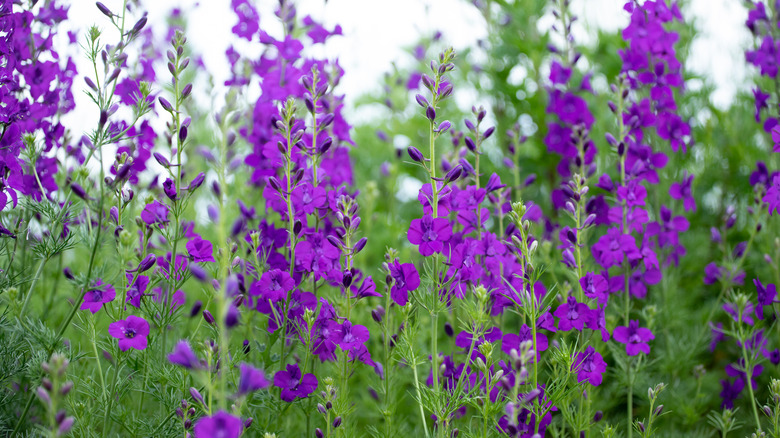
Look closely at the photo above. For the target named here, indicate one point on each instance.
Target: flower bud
(415, 154)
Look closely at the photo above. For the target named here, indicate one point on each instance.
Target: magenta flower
(772, 196)
(251, 380)
(273, 285)
(221, 424)
(294, 385)
(184, 356)
(429, 233)
(131, 332)
(101, 293)
(595, 286)
(136, 289)
(155, 213)
(682, 190)
(612, 247)
(405, 279)
(512, 341)
(590, 366)
(351, 336)
(634, 337)
(766, 296)
(200, 250)
(572, 314)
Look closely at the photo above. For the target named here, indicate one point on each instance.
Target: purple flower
(634, 337)
(184, 356)
(766, 296)
(595, 286)
(273, 285)
(251, 380)
(429, 233)
(131, 332)
(589, 366)
(747, 313)
(682, 190)
(351, 336)
(293, 385)
(200, 250)
(101, 293)
(221, 424)
(612, 247)
(572, 314)
(405, 279)
(772, 196)
(730, 392)
(155, 213)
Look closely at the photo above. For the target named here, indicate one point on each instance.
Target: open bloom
(221, 425)
(200, 250)
(772, 196)
(589, 366)
(634, 337)
(405, 279)
(429, 233)
(251, 379)
(613, 247)
(131, 332)
(98, 295)
(273, 285)
(294, 385)
(155, 213)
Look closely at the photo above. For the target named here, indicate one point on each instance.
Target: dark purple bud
(328, 405)
(641, 426)
(377, 314)
(598, 416)
(297, 227)
(172, 69)
(184, 63)
(530, 180)
(423, 102)
(196, 308)
(488, 132)
(185, 93)
(430, 113)
(233, 316)
(481, 114)
(427, 81)
(325, 146)
(215, 188)
(321, 409)
(246, 346)
(337, 422)
(208, 317)
(346, 279)
(470, 125)
(658, 410)
(415, 154)
(445, 93)
(162, 160)
(444, 126)
(79, 191)
(103, 118)
(274, 183)
(59, 416)
(318, 433)
(182, 134)
(114, 75)
(359, 245)
(589, 220)
(165, 104)
(196, 395)
(470, 144)
(146, 263)
(621, 149)
(169, 187)
(65, 389)
(107, 12)
(327, 120)
(448, 329)
(335, 241)
(43, 395)
(188, 424)
(453, 174)
(139, 25)
(66, 425)
(197, 181)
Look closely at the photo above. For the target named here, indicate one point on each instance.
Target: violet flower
(293, 385)
(429, 233)
(131, 332)
(405, 279)
(251, 380)
(221, 424)
(634, 337)
(100, 294)
(590, 366)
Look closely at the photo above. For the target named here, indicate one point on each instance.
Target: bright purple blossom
(766, 296)
(405, 279)
(273, 285)
(572, 315)
(595, 286)
(590, 366)
(155, 213)
(613, 247)
(200, 250)
(635, 338)
(131, 332)
(293, 385)
(100, 294)
(772, 197)
(184, 356)
(221, 424)
(429, 233)
(682, 190)
(251, 379)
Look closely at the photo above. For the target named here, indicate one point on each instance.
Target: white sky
(375, 31)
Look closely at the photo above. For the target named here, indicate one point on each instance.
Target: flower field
(552, 232)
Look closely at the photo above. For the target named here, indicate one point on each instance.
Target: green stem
(32, 286)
